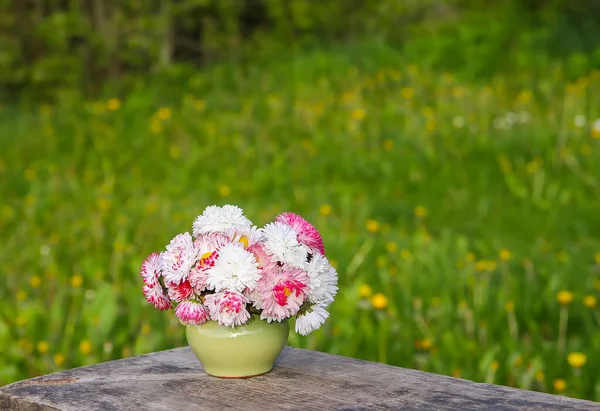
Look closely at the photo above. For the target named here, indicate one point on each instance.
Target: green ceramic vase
(238, 352)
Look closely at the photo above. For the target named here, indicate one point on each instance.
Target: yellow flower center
(287, 292)
(244, 240)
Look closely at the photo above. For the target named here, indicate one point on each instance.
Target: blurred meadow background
(448, 150)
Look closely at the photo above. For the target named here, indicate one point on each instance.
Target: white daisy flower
(235, 269)
(312, 319)
(281, 241)
(246, 236)
(323, 279)
(216, 219)
(179, 257)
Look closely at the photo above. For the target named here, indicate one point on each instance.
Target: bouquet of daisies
(230, 269)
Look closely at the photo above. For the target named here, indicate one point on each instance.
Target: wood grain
(301, 380)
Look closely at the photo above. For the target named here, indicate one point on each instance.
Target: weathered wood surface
(301, 380)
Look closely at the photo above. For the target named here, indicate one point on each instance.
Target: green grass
(417, 179)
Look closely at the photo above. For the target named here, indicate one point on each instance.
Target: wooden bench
(301, 380)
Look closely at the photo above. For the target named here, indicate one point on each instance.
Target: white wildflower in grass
(281, 241)
(216, 219)
(235, 269)
(523, 117)
(596, 129)
(500, 123)
(458, 121)
(228, 308)
(179, 257)
(323, 279)
(579, 121)
(511, 118)
(313, 318)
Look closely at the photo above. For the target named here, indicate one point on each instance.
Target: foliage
(456, 211)
(53, 45)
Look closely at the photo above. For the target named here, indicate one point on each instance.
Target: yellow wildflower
(597, 257)
(485, 265)
(596, 130)
(539, 376)
(494, 365)
(505, 254)
(21, 295)
(391, 246)
(156, 126)
(372, 226)
(103, 204)
(43, 347)
(426, 344)
(564, 297)
(420, 211)
(379, 301)
(35, 281)
(365, 291)
(174, 152)
(470, 257)
(30, 174)
(146, 329)
(509, 306)
(525, 96)
(358, 114)
(86, 347)
(577, 359)
(224, 190)
(325, 209)
(200, 105)
(388, 144)
(76, 281)
(559, 385)
(586, 150)
(590, 301)
(59, 359)
(21, 320)
(113, 104)
(405, 254)
(407, 92)
(164, 113)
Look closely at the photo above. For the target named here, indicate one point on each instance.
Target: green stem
(562, 329)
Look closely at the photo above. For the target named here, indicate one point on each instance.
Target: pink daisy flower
(191, 312)
(180, 292)
(151, 269)
(178, 258)
(198, 278)
(210, 242)
(156, 296)
(307, 233)
(282, 292)
(228, 308)
(264, 260)
(206, 247)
